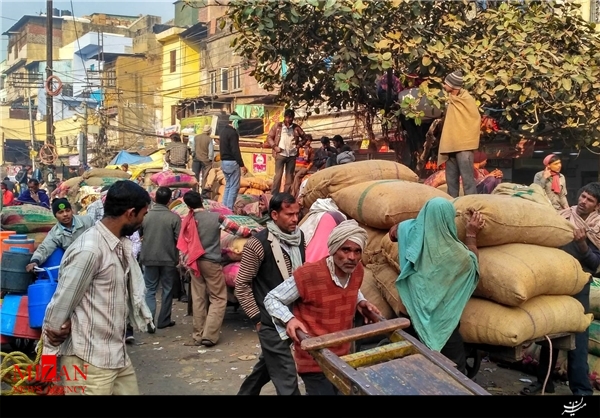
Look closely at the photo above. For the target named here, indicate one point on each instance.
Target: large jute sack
(511, 274)
(325, 182)
(255, 183)
(372, 294)
(372, 251)
(390, 250)
(533, 192)
(100, 181)
(71, 182)
(25, 219)
(487, 322)
(385, 278)
(105, 172)
(384, 203)
(514, 220)
(444, 188)
(231, 247)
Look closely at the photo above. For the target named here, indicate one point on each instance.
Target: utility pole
(49, 98)
(84, 140)
(31, 126)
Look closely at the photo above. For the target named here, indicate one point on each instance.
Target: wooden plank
(440, 360)
(347, 379)
(366, 331)
(413, 375)
(379, 354)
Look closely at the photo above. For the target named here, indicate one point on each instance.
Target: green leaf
(350, 73)
(344, 86)
(426, 61)
(489, 77)
(386, 56)
(566, 83)
(514, 87)
(499, 87)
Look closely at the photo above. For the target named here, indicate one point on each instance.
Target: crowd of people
(126, 246)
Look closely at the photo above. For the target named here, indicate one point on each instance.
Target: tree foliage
(534, 66)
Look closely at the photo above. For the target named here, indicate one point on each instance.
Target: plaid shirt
(278, 299)
(177, 153)
(92, 292)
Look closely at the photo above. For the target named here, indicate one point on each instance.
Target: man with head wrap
(325, 297)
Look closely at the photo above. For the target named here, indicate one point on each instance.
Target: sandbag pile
(95, 178)
(525, 280)
(249, 185)
(377, 194)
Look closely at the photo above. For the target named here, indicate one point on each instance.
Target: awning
(124, 157)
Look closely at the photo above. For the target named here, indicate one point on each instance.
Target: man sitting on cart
(326, 295)
(68, 228)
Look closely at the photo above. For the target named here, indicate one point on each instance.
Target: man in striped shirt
(98, 280)
(268, 258)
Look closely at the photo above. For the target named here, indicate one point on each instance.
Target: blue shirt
(25, 197)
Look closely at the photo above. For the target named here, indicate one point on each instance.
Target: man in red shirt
(325, 296)
(8, 197)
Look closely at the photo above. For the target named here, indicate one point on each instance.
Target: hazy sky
(11, 11)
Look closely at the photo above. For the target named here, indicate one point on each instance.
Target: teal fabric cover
(438, 272)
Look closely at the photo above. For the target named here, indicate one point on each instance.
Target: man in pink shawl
(209, 292)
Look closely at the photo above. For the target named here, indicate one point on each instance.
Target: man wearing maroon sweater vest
(325, 297)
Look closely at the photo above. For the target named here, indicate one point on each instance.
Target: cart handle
(336, 338)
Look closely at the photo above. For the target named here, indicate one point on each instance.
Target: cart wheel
(473, 362)
(24, 345)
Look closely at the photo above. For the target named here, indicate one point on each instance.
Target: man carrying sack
(460, 136)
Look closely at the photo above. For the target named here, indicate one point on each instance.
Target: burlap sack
(71, 182)
(325, 182)
(487, 322)
(384, 203)
(390, 250)
(511, 274)
(533, 192)
(514, 220)
(372, 294)
(105, 172)
(385, 278)
(444, 188)
(372, 252)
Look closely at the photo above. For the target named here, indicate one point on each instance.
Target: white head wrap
(347, 230)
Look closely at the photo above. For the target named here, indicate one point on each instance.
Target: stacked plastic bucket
(24, 305)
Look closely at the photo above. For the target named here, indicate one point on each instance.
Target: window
(173, 61)
(173, 114)
(236, 83)
(111, 78)
(213, 83)
(224, 80)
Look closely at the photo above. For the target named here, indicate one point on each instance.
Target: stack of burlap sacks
(249, 185)
(525, 279)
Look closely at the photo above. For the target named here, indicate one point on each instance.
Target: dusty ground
(165, 366)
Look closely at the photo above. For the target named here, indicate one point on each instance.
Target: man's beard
(129, 229)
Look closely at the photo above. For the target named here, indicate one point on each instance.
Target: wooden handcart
(405, 366)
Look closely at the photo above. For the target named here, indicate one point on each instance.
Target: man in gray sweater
(209, 293)
(159, 255)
